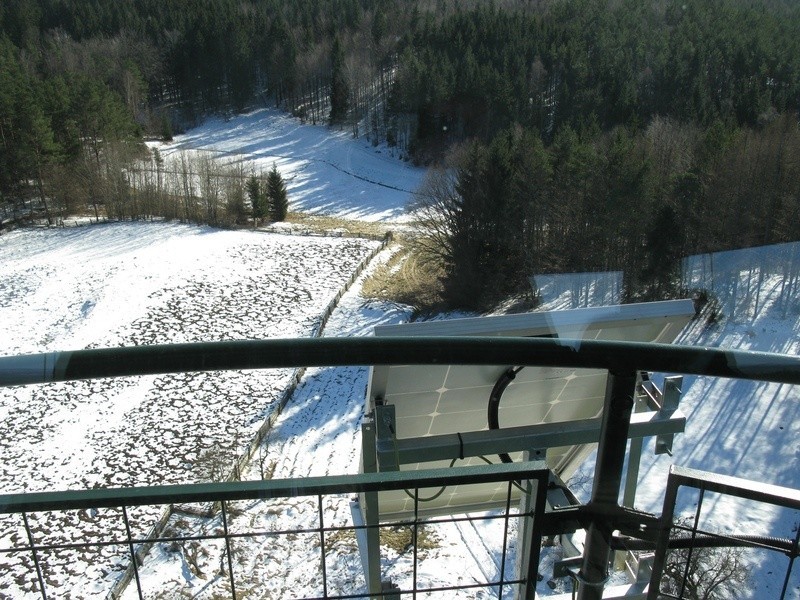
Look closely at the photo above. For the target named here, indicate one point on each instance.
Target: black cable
(494, 402)
(435, 495)
(516, 484)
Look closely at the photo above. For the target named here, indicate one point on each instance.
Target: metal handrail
(729, 486)
(616, 357)
(223, 493)
(264, 489)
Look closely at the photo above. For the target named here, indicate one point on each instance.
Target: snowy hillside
(326, 171)
(131, 284)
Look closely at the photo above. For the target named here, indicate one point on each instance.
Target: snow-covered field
(132, 284)
(124, 284)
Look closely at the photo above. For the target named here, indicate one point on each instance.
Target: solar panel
(434, 400)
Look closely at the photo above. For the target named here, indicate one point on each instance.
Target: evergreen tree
(472, 228)
(258, 200)
(276, 192)
(659, 276)
(340, 91)
(12, 93)
(39, 151)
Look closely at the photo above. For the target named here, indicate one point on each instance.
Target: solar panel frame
(439, 399)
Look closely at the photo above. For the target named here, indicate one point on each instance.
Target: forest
(561, 135)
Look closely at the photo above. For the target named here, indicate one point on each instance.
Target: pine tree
(276, 192)
(12, 92)
(40, 151)
(258, 199)
(340, 91)
(469, 265)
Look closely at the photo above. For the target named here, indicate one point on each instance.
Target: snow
(137, 283)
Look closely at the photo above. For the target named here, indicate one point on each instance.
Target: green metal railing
(707, 484)
(317, 488)
(621, 359)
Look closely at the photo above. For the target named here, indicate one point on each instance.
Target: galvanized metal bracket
(386, 438)
(671, 399)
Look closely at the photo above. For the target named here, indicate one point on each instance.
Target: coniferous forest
(562, 135)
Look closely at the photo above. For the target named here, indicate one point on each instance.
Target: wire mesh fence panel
(729, 539)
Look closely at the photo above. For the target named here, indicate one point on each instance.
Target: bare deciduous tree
(435, 205)
(705, 573)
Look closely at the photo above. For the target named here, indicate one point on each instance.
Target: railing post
(632, 475)
(526, 565)
(228, 549)
(369, 505)
(620, 390)
(670, 401)
(35, 556)
(634, 460)
(529, 534)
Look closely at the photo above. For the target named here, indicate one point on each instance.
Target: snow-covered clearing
(326, 170)
(126, 284)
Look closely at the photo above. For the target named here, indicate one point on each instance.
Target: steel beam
(386, 438)
(516, 439)
(620, 390)
(529, 536)
(262, 489)
(368, 503)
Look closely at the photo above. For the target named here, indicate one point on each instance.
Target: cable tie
(460, 447)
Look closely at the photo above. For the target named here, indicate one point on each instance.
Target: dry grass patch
(408, 277)
(341, 540)
(401, 539)
(324, 224)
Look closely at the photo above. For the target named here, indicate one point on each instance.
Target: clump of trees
(59, 137)
(588, 136)
(582, 64)
(223, 55)
(78, 81)
(630, 200)
(199, 188)
(193, 188)
(477, 216)
(268, 196)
